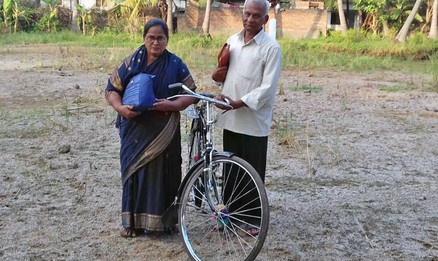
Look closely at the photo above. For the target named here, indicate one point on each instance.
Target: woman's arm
(178, 104)
(115, 101)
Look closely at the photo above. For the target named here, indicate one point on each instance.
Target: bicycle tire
(221, 233)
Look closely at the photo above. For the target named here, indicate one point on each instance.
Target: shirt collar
(257, 38)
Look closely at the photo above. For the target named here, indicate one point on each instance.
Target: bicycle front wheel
(231, 223)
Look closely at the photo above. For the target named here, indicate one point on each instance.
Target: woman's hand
(127, 111)
(173, 105)
(164, 105)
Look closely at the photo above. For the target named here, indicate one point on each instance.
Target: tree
(74, 16)
(169, 20)
(401, 36)
(433, 33)
(130, 9)
(206, 22)
(374, 10)
(342, 19)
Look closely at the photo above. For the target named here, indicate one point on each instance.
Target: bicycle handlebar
(202, 96)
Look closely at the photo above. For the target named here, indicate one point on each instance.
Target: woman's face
(155, 41)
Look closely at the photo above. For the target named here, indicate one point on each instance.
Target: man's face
(254, 17)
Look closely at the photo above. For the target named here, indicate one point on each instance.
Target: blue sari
(150, 144)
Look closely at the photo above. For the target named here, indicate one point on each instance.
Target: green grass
(306, 88)
(393, 88)
(355, 52)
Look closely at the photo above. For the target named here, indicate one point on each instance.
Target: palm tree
(206, 22)
(401, 36)
(433, 33)
(342, 19)
(74, 16)
(169, 17)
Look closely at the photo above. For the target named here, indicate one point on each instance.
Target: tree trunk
(206, 22)
(162, 7)
(169, 17)
(74, 16)
(433, 33)
(385, 28)
(401, 36)
(343, 26)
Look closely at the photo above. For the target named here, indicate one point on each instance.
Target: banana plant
(53, 13)
(8, 12)
(84, 18)
(17, 12)
(130, 9)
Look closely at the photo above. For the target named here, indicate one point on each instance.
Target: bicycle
(222, 198)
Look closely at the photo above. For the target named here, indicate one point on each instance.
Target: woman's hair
(154, 22)
(263, 3)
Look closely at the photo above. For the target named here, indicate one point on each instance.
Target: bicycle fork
(220, 211)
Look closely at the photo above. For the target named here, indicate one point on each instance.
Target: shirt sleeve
(266, 92)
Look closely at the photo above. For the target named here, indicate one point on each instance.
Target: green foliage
(48, 23)
(371, 6)
(7, 13)
(357, 51)
(84, 19)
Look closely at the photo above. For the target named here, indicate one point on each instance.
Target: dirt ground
(352, 170)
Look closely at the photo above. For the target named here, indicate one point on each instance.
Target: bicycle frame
(209, 152)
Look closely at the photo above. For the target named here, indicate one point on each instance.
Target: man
(251, 86)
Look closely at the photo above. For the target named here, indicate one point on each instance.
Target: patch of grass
(306, 88)
(393, 88)
(286, 131)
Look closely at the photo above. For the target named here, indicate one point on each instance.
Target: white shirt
(253, 75)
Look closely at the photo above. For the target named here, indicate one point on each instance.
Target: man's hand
(224, 99)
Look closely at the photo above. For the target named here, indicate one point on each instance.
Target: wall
(291, 23)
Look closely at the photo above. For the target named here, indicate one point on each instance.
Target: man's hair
(263, 3)
(154, 22)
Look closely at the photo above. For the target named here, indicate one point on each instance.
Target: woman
(150, 150)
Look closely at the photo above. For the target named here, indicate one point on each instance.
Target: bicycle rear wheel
(223, 230)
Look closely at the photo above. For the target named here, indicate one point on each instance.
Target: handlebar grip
(209, 95)
(175, 85)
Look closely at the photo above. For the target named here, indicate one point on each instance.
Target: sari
(150, 144)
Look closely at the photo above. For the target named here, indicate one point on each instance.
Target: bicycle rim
(240, 204)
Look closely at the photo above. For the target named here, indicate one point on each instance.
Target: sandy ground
(352, 170)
